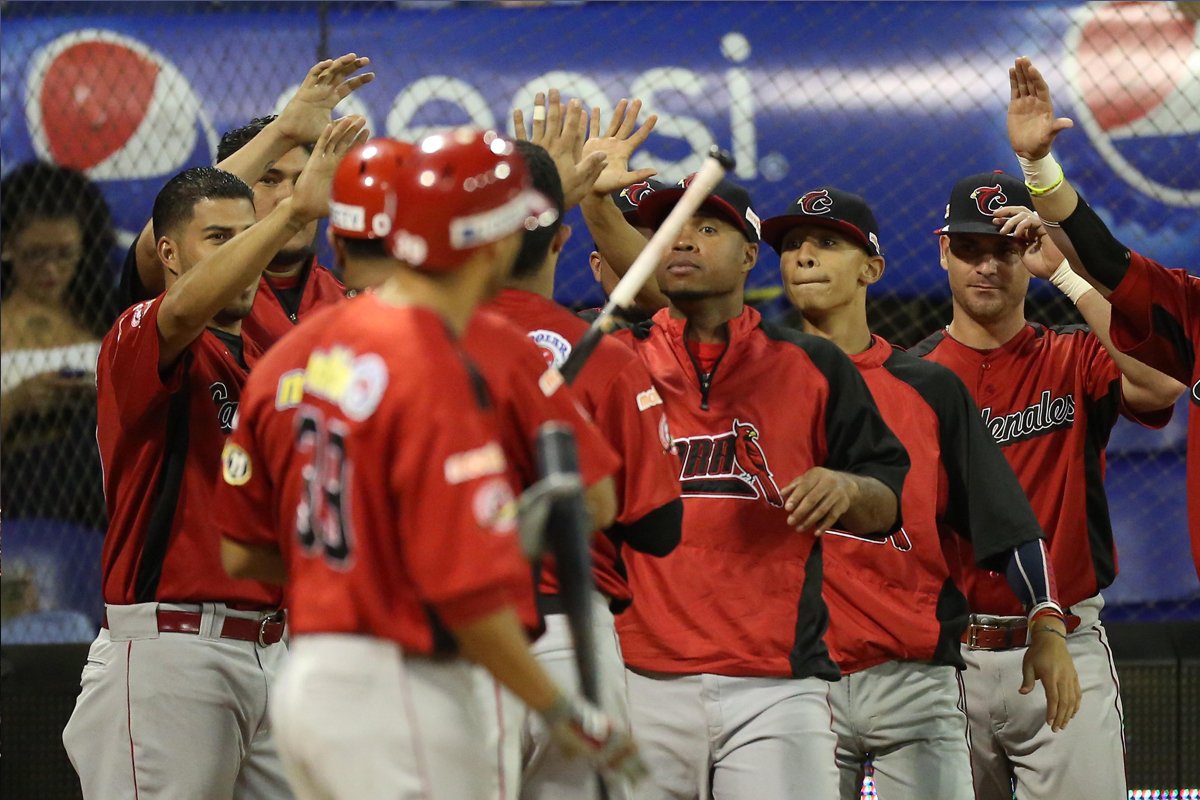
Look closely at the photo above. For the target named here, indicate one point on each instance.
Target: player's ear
(338, 247)
(168, 255)
(749, 256)
(943, 247)
(872, 269)
(594, 263)
(560, 239)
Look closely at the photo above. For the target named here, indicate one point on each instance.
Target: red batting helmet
(460, 190)
(363, 202)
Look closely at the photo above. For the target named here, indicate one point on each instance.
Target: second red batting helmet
(364, 199)
(462, 189)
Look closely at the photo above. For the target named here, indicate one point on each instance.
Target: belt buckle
(973, 636)
(262, 629)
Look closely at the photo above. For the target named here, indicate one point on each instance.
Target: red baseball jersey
(367, 442)
(895, 598)
(279, 305)
(1156, 319)
(1049, 397)
(741, 594)
(160, 436)
(615, 389)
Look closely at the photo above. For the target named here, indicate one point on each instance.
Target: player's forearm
(244, 561)
(498, 644)
(1099, 257)
(875, 509)
(251, 161)
(1144, 388)
(619, 243)
(601, 501)
(1030, 575)
(219, 278)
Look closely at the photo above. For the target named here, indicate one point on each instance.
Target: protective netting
(892, 101)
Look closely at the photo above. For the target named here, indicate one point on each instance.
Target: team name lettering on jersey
(731, 464)
(355, 383)
(226, 408)
(1044, 416)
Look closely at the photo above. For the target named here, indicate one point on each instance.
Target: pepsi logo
(110, 106)
(1130, 67)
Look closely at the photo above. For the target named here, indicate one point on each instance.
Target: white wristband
(1069, 283)
(1042, 173)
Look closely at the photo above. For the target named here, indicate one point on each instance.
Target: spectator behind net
(56, 240)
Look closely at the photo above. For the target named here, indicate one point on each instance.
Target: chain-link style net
(101, 103)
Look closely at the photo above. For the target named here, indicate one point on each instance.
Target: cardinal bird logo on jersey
(817, 202)
(989, 199)
(731, 465)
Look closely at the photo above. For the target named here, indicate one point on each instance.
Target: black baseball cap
(829, 208)
(976, 198)
(629, 198)
(728, 200)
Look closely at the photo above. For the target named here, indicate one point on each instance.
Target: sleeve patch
(648, 399)
(235, 465)
(471, 464)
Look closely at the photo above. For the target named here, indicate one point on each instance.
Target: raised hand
(326, 84)
(1032, 125)
(310, 200)
(617, 142)
(1041, 256)
(559, 130)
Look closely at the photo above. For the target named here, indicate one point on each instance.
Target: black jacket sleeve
(986, 503)
(655, 533)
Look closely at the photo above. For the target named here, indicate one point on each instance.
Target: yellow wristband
(1040, 191)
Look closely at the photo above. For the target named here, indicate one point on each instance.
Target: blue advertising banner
(894, 101)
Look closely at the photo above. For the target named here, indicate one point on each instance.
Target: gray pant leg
(914, 725)
(262, 776)
(1087, 758)
(548, 774)
(166, 715)
(775, 739)
(850, 756)
(669, 726)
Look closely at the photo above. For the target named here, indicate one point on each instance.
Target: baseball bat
(713, 170)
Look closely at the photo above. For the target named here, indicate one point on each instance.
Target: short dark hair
(238, 138)
(177, 200)
(364, 248)
(37, 190)
(536, 243)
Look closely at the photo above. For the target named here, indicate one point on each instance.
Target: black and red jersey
(895, 598)
(1049, 397)
(367, 451)
(741, 594)
(160, 435)
(618, 393)
(281, 303)
(1156, 319)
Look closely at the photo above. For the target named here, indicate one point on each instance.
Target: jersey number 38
(322, 518)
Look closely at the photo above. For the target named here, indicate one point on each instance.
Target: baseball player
(269, 154)
(512, 367)
(173, 698)
(1154, 310)
(619, 395)
(1049, 397)
(778, 440)
(896, 615)
(394, 572)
